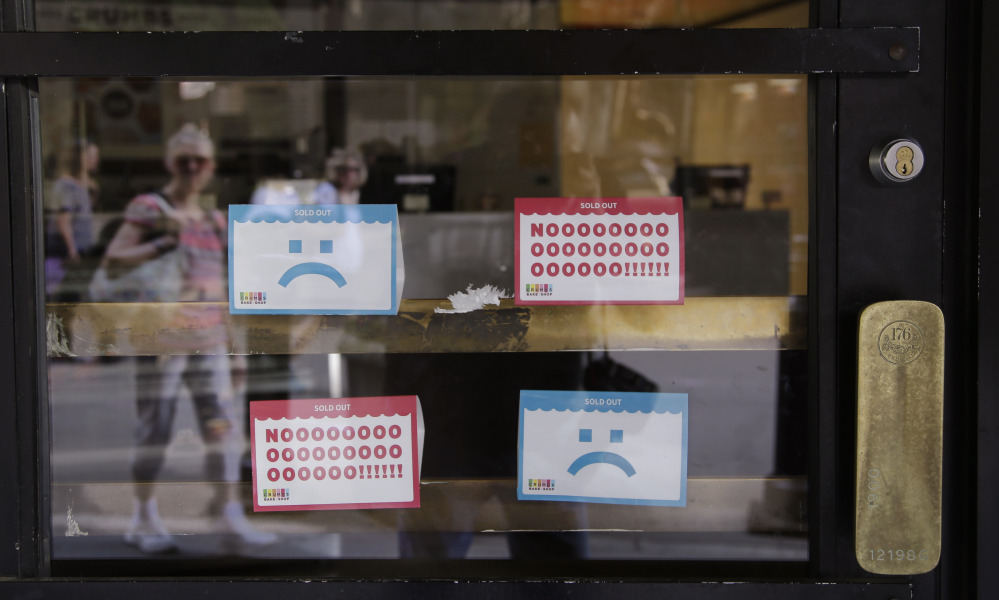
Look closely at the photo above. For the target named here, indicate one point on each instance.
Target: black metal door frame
(855, 224)
(987, 311)
(901, 243)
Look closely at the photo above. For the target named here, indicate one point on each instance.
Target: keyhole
(904, 158)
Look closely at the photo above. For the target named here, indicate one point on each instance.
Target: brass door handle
(899, 437)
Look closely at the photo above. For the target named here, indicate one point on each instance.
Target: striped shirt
(203, 244)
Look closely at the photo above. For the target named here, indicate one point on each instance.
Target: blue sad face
(311, 268)
(610, 458)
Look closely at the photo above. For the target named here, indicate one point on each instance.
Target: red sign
(336, 453)
(599, 251)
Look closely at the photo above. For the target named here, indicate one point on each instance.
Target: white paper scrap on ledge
(474, 299)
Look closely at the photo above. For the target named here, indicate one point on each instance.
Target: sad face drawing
(602, 456)
(311, 268)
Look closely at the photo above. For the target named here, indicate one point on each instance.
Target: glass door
(452, 156)
(152, 402)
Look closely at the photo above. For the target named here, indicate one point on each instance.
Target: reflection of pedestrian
(70, 234)
(194, 342)
(345, 174)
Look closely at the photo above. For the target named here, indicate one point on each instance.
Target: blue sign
(314, 259)
(605, 447)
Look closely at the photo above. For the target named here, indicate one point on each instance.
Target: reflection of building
(471, 145)
(127, 112)
(81, 15)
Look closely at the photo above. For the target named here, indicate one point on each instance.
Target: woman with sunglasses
(194, 342)
(345, 174)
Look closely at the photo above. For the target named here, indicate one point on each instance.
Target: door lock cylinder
(896, 161)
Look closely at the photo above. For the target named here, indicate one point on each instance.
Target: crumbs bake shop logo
(277, 494)
(546, 485)
(538, 289)
(253, 297)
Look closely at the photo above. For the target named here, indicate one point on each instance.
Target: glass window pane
(149, 400)
(385, 15)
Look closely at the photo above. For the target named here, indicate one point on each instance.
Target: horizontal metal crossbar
(460, 53)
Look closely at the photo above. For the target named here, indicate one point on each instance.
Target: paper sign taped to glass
(604, 447)
(315, 259)
(599, 251)
(336, 453)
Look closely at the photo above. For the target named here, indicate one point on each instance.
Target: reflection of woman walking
(195, 354)
(70, 234)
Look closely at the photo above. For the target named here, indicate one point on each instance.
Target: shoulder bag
(158, 279)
